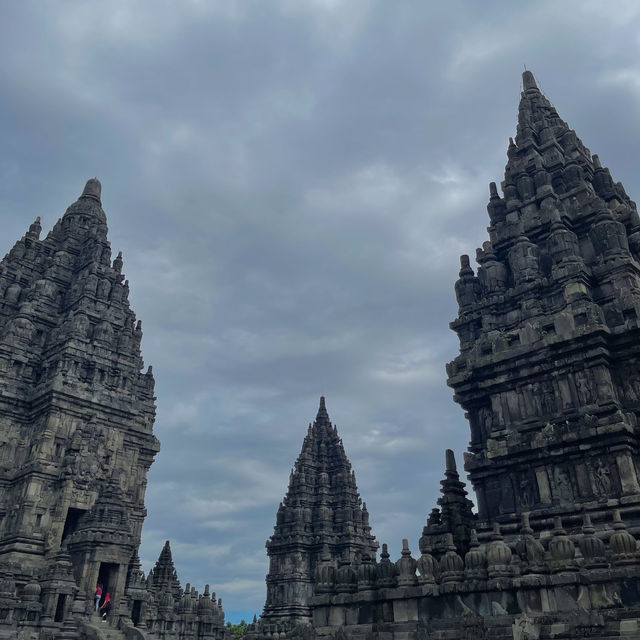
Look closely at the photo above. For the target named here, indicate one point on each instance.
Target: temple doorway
(135, 612)
(107, 576)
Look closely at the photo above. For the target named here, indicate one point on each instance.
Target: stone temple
(76, 442)
(548, 376)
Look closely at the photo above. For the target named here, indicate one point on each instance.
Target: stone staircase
(97, 629)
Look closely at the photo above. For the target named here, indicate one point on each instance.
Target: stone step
(104, 630)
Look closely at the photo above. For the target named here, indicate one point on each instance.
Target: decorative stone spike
(93, 189)
(530, 551)
(427, 565)
(387, 571)
(454, 516)
(451, 565)
(406, 567)
(561, 549)
(622, 544)
(528, 81)
(498, 555)
(591, 546)
(475, 560)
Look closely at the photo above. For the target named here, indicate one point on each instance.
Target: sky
(291, 185)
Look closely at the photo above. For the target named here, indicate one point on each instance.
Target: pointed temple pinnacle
(528, 81)
(450, 461)
(322, 411)
(93, 189)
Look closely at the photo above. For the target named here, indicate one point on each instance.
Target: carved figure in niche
(507, 503)
(12, 293)
(583, 387)
(537, 393)
(498, 409)
(524, 629)
(603, 385)
(90, 284)
(104, 288)
(602, 478)
(525, 493)
(21, 329)
(564, 490)
(12, 449)
(80, 325)
(549, 403)
(103, 331)
(487, 419)
(485, 422)
(528, 396)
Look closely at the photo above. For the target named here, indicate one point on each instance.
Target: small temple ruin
(548, 376)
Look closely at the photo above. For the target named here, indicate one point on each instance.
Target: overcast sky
(291, 184)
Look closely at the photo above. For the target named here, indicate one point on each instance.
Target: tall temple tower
(76, 409)
(76, 442)
(321, 515)
(549, 364)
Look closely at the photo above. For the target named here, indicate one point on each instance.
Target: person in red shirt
(98, 595)
(106, 606)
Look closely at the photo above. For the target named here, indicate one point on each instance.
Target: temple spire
(454, 515)
(92, 189)
(528, 81)
(322, 507)
(565, 230)
(322, 415)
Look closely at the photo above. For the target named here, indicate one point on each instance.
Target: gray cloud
(291, 185)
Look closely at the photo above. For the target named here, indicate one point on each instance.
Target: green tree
(237, 631)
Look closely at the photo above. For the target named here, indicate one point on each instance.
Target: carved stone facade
(321, 521)
(548, 375)
(548, 370)
(76, 441)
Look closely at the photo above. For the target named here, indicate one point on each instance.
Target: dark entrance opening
(107, 576)
(72, 521)
(135, 612)
(59, 617)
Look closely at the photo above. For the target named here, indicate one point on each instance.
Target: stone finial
(367, 573)
(475, 560)
(622, 544)
(117, 263)
(592, 547)
(34, 229)
(498, 554)
(450, 461)
(528, 81)
(451, 564)
(322, 415)
(386, 572)
(493, 191)
(561, 548)
(596, 161)
(530, 551)
(465, 266)
(427, 566)
(406, 566)
(93, 189)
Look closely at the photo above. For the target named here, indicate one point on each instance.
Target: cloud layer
(291, 185)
